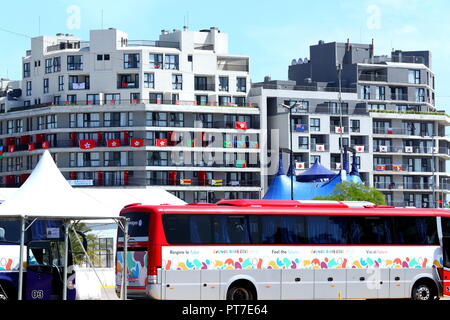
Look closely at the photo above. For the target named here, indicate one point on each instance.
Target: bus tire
(7, 291)
(241, 290)
(425, 290)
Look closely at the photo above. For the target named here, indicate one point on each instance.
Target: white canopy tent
(47, 195)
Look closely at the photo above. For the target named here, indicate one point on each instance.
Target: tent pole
(66, 258)
(125, 261)
(22, 247)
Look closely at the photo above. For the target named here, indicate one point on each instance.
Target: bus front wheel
(424, 291)
(241, 290)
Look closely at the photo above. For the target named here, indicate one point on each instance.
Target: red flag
(30, 146)
(242, 125)
(45, 145)
(11, 148)
(137, 143)
(113, 143)
(161, 142)
(87, 144)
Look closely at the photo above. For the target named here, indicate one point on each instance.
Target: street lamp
(290, 142)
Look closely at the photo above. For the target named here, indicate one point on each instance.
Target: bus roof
(287, 207)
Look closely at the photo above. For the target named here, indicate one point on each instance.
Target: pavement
(109, 294)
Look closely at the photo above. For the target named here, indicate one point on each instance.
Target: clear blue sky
(272, 33)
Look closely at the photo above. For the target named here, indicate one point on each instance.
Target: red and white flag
(161, 142)
(87, 144)
(359, 148)
(11, 148)
(45, 145)
(137, 143)
(320, 147)
(241, 125)
(113, 143)
(383, 148)
(30, 146)
(299, 165)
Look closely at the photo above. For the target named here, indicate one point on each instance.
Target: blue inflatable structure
(318, 181)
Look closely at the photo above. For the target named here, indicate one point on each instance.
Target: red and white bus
(270, 249)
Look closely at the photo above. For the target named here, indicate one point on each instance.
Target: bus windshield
(138, 226)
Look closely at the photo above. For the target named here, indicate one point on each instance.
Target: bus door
(39, 275)
(446, 272)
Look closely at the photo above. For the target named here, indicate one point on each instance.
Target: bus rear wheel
(241, 291)
(424, 292)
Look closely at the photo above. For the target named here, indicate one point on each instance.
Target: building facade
(388, 116)
(117, 112)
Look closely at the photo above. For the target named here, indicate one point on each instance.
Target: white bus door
(446, 272)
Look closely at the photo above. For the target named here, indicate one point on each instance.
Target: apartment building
(388, 117)
(117, 112)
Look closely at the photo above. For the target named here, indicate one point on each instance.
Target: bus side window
(200, 229)
(220, 230)
(238, 230)
(416, 230)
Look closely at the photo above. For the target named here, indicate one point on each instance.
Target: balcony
(372, 77)
(127, 85)
(205, 87)
(403, 186)
(195, 182)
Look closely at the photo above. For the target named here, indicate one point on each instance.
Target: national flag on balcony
(241, 144)
(185, 182)
(137, 143)
(299, 165)
(217, 182)
(113, 143)
(339, 130)
(45, 145)
(383, 148)
(30, 146)
(241, 125)
(161, 142)
(359, 148)
(320, 147)
(381, 167)
(338, 166)
(397, 167)
(11, 148)
(1, 152)
(87, 144)
(299, 127)
(227, 144)
(408, 149)
(254, 144)
(434, 149)
(390, 131)
(241, 164)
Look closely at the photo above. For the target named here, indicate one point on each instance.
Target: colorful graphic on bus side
(189, 258)
(9, 258)
(137, 268)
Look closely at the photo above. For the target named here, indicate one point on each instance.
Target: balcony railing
(372, 77)
(411, 150)
(206, 87)
(195, 182)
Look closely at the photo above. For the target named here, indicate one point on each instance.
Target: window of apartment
(116, 119)
(241, 84)
(61, 83)
(171, 62)
(156, 119)
(112, 98)
(112, 159)
(205, 119)
(135, 97)
(45, 85)
(87, 120)
(239, 101)
(223, 84)
(51, 121)
(224, 100)
(10, 126)
(175, 98)
(303, 143)
(48, 65)
(380, 93)
(41, 123)
(156, 98)
(176, 119)
(128, 81)
(414, 76)
(93, 99)
(313, 159)
(177, 82)
(72, 99)
(57, 100)
(26, 70)
(334, 107)
(158, 158)
(355, 125)
(314, 124)
(156, 61)
(74, 63)
(201, 100)
(149, 80)
(375, 106)
(131, 60)
(420, 95)
(56, 64)
(200, 83)
(344, 142)
(365, 92)
(28, 88)
(99, 57)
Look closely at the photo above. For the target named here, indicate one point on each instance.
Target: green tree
(348, 191)
(77, 250)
